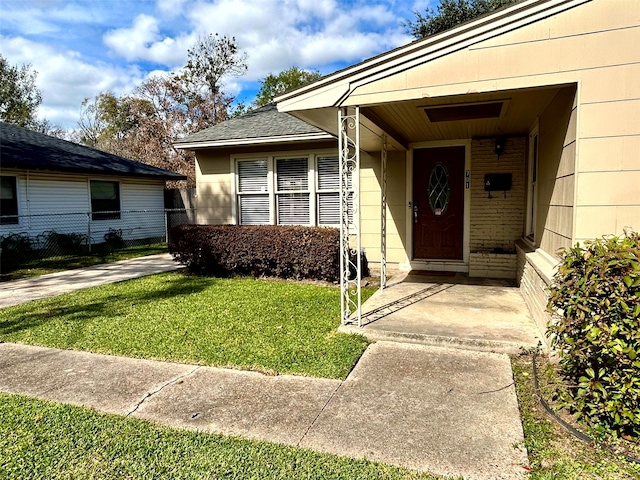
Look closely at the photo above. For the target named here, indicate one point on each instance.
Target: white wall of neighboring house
(61, 202)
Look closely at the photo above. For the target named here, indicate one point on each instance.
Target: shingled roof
(26, 149)
(262, 125)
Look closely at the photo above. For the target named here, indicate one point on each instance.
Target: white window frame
(326, 190)
(532, 184)
(272, 157)
(237, 194)
(308, 191)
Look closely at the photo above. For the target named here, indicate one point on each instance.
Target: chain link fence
(26, 238)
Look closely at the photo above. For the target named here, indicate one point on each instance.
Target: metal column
(383, 214)
(350, 241)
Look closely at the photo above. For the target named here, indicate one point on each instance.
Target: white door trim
(442, 265)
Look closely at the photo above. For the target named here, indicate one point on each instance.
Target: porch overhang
(372, 128)
(346, 87)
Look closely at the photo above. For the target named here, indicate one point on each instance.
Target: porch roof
(334, 90)
(381, 85)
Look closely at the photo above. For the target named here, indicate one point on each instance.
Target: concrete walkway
(474, 314)
(22, 291)
(445, 411)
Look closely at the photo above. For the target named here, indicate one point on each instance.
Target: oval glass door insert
(439, 189)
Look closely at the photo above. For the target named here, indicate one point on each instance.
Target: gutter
(254, 141)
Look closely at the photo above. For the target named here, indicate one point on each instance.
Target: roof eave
(7, 164)
(254, 141)
(462, 34)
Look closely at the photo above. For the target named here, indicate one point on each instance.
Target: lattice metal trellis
(350, 241)
(383, 214)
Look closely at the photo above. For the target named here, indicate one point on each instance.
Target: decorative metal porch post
(383, 214)
(350, 242)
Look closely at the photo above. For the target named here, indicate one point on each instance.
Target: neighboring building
(50, 184)
(506, 138)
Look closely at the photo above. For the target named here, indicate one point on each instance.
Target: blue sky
(83, 47)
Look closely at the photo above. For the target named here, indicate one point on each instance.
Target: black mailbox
(497, 182)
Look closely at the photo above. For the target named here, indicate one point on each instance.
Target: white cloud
(44, 17)
(143, 41)
(65, 79)
(306, 33)
(132, 43)
(140, 36)
(171, 8)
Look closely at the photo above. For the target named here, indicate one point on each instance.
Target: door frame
(437, 264)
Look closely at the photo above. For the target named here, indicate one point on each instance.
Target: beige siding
(592, 189)
(608, 185)
(565, 48)
(556, 177)
(370, 204)
(213, 185)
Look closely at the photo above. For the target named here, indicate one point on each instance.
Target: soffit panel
(410, 120)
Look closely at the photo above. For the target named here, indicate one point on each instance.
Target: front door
(438, 203)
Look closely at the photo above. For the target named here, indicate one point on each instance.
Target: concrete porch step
(473, 344)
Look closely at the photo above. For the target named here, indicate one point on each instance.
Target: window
(532, 198)
(328, 191)
(105, 200)
(292, 191)
(8, 200)
(296, 190)
(253, 192)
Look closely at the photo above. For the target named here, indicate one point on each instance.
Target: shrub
(64, 242)
(595, 326)
(260, 250)
(15, 249)
(113, 239)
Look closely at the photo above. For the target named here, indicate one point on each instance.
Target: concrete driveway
(28, 289)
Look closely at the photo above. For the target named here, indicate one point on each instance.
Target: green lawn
(269, 326)
(553, 452)
(42, 266)
(45, 440)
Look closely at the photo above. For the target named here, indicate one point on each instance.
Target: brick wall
(534, 276)
(496, 222)
(492, 265)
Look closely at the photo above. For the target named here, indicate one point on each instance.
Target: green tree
(273, 85)
(19, 96)
(105, 122)
(450, 13)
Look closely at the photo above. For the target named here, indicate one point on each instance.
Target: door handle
(415, 213)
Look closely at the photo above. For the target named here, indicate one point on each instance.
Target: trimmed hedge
(258, 250)
(595, 303)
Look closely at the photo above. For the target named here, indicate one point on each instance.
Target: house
(51, 185)
(483, 149)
